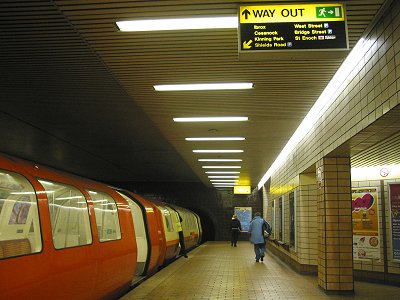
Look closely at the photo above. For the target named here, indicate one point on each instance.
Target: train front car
(61, 236)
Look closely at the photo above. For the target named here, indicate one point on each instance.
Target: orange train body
(66, 237)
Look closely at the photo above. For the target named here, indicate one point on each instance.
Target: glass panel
(274, 218)
(69, 215)
(292, 220)
(106, 216)
(19, 217)
(280, 216)
(168, 219)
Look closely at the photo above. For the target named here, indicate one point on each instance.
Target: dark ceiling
(76, 93)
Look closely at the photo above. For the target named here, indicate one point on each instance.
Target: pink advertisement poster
(366, 239)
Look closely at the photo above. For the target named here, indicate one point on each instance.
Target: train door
(141, 236)
(171, 234)
(200, 230)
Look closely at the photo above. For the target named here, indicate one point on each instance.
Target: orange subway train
(66, 237)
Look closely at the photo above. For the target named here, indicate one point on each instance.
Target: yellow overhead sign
(292, 28)
(242, 189)
(322, 12)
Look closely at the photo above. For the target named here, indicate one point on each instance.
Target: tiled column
(335, 236)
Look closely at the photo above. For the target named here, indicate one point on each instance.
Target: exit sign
(293, 28)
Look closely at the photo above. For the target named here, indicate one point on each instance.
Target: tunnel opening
(207, 225)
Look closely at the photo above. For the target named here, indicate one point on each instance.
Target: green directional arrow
(324, 12)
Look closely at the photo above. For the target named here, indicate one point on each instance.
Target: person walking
(236, 228)
(256, 230)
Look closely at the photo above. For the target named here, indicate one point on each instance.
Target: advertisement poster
(20, 212)
(394, 196)
(366, 239)
(244, 216)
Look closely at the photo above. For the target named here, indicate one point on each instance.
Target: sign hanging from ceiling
(292, 27)
(242, 189)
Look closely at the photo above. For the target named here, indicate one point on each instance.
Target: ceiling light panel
(178, 24)
(224, 180)
(204, 86)
(220, 159)
(222, 172)
(216, 139)
(217, 176)
(212, 119)
(217, 151)
(221, 167)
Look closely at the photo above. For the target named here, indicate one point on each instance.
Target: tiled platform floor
(215, 270)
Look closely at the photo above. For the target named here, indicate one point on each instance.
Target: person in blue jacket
(256, 229)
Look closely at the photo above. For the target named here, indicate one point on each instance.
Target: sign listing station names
(292, 27)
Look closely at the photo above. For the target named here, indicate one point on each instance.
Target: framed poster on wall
(244, 216)
(365, 213)
(394, 198)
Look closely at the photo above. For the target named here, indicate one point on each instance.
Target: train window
(19, 217)
(69, 215)
(168, 219)
(106, 216)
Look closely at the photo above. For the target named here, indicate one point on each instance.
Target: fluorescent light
(222, 172)
(220, 159)
(22, 193)
(222, 183)
(346, 72)
(212, 119)
(216, 139)
(223, 186)
(224, 180)
(69, 198)
(204, 86)
(217, 151)
(178, 24)
(221, 167)
(223, 176)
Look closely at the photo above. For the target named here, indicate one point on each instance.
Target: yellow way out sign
(292, 28)
(291, 13)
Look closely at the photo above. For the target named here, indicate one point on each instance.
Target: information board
(244, 216)
(290, 28)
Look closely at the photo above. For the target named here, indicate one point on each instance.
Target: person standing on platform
(256, 230)
(181, 237)
(236, 228)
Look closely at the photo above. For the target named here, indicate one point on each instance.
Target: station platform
(215, 270)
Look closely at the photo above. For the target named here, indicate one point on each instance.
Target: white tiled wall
(372, 91)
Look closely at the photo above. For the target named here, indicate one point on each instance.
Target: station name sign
(292, 27)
